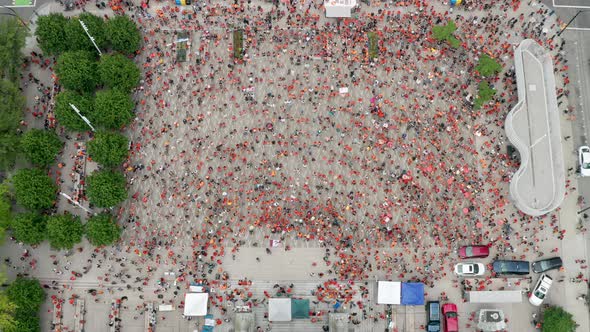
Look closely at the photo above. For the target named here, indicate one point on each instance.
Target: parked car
(433, 315)
(584, 159)
(511, 267)
(469, 269)
(540, 291)
(547, 264)
(449, 311)
(475, 251)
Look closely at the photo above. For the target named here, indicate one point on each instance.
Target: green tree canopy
(41, 146)
(484, 94)
(124, 35)
(102, 230)
(12, 40)
(5, 211)
(26, 321)
(34, 189)
(78, 39)
(109, 149)
(118, 72)
(106, 188)
(7, 311)
(26, 294)
(113, 109)
(77, 71)
(487, 66)
(12, 104)
(51, 33)
(64, 231)
(9, 150)
(66, 116)
(29, 228)
(446, 33)
(555, 319)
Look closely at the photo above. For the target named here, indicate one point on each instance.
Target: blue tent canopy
(412, 293)
(300, 308)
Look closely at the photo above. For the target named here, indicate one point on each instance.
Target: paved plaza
(306, 165)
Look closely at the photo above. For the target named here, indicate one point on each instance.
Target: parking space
(582, 20)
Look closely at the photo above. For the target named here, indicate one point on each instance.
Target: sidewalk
(573, 246)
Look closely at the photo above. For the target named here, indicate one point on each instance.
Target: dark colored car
(449, 310)
(475, 251)
(547, 264)
(433, 314)
(511, 267)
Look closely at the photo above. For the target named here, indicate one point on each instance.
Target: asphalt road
(577, 52)
(24, 12)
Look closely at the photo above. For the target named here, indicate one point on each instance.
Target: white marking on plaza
(75, 202)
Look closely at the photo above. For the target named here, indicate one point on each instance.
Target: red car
(477, 251)
(449, 311)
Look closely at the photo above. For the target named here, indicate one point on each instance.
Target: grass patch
(23, 2)
(182, 47)
(373, 45)
(238, 44)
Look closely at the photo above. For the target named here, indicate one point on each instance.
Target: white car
(584, 159)
(470, 269)
(540, 291)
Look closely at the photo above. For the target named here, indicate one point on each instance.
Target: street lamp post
(89, 36)
(85, 119)
(570, 22)
(584, 210)
(75, 202)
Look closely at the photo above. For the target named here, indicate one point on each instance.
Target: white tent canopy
(279, 309)
(507, 296)
(339, 8)
(338, 322)
(244, 322)
(195, 304)
(389, 292)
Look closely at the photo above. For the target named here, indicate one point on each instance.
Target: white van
(540, 291)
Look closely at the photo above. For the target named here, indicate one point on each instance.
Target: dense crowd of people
(402, 160)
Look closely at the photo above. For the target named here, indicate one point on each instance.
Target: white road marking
(569, 6)
(580, 51)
